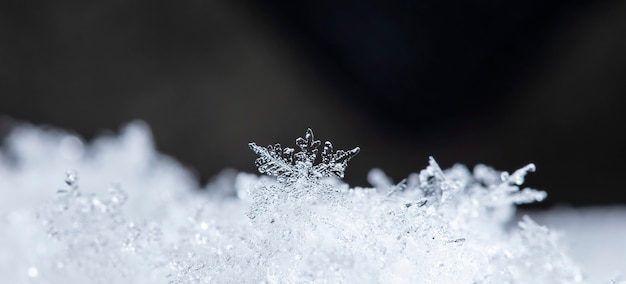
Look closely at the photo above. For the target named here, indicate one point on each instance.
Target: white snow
(117, 211)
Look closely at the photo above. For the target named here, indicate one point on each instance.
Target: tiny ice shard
(71, 177)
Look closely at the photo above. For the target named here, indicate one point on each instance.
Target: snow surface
(117, 211)
(595, 238)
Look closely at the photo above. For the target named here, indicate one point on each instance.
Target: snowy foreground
(116, 211)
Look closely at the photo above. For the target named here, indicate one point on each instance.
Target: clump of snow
(127, 214)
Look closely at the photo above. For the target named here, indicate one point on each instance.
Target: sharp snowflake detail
(288, 166)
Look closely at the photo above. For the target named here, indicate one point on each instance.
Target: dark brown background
(498, 82)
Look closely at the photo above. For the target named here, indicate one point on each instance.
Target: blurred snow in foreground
(117, 211)
(595, 238)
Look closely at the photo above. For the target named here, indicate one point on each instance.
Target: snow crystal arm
(517, 178)
(273, 161)
(308, 146)
(432, 174)
(510, 185)
(335, 163)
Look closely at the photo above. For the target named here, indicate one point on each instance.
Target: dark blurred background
(503, 83)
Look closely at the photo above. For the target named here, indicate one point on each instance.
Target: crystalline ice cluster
(116, 211)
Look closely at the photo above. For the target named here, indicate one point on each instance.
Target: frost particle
(71, 177)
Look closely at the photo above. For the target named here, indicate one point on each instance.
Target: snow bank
(117, 211)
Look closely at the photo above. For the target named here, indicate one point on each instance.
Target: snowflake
(288, 166)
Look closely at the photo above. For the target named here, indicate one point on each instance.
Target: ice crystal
(136, 216)
(290, 166)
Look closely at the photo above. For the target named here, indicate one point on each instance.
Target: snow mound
(117, 211)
